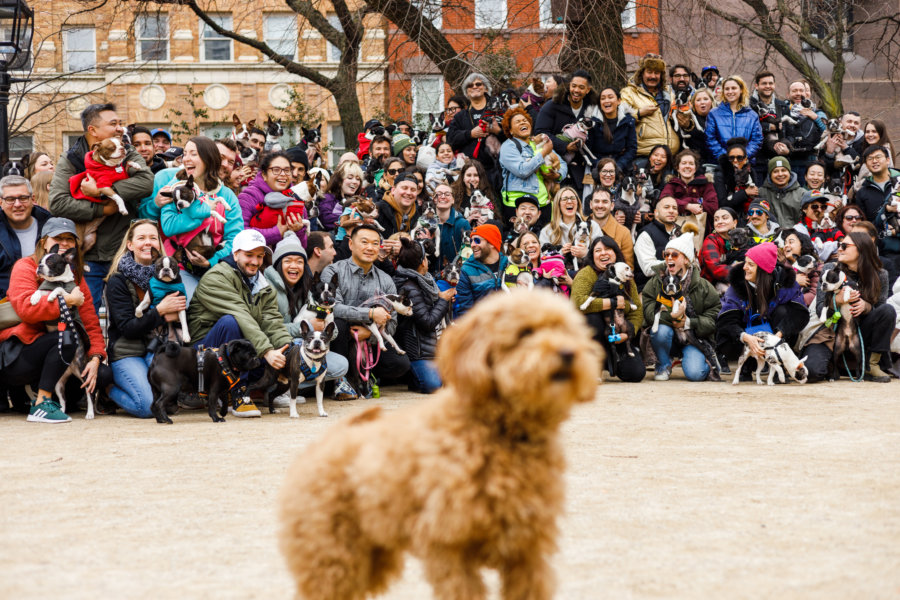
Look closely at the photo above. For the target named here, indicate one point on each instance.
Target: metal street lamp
(16, 31)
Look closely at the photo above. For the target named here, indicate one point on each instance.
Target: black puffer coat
(417, 334)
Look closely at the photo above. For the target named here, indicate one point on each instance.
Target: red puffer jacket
(22, 284)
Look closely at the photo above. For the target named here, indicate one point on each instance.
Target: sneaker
(662, 374)
(244, 407)
(724, 369)
(47, 411)
(344, 391)
(284, 400)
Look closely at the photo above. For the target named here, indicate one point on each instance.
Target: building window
(152, 33)
(334, 53)
(79, 49)
(431, 10)
(217, 132)
(490, 14)
(215, 47)
(70, 140)
(280, 33)
(336, 142)
(629, 15)
(427, 97)
(20, 145)
(825, 18)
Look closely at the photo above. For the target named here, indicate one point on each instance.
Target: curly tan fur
(470, 478)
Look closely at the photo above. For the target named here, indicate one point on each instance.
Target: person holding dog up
(868, 282)
(234, 300)
(29, 355)
(471, 126)
(360, 280)
(100, 122)
(292, 280)
(605, 252)
(733, 118)
(763, 296)
(482, 272)
(523, 160)
(704, 301)
(132, 340)
(472, 177)
(650, 104)
(569, 104)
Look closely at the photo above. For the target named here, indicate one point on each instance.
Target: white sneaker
(284, 400)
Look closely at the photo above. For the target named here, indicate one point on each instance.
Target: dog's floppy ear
(463, 357)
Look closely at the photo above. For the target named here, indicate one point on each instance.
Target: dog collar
(309, 373)
(322, 311)
(665, 301)
(222, 359)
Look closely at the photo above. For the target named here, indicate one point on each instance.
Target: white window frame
(433, 10)
(67, 50)
(331, 49)
(269, 40)
(545, 15)
(69, 138)
(335, 151)
(138, 51)
(416, 99)
(481, 23)
(629, 15)
(230, 23)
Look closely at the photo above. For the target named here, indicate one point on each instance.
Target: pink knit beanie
(764, 255)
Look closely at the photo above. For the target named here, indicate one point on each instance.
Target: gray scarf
(135, 272)
(426, 282)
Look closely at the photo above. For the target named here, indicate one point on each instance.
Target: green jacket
(583, 284)
(224, 291)
(114, 226)
(704, 298)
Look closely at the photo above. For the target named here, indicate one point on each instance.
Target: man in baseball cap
(482, 272)
(759, 221)
(162, 140)
(234, 301)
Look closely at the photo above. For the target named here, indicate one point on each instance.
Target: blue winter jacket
(520, 164)
(476, 281)
(722, 124)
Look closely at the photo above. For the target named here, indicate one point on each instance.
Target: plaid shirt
(355, 287)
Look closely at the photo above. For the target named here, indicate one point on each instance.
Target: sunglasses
(737, 158)
(671, 253)
(475, 84)
(476, 239)
(845, 245)
(755, 212)
(815, 206)
(392, 171)
(852, 217)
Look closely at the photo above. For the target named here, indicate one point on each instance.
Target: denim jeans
(95, 282)
(131, 388)
(426, 375)
(693, 363)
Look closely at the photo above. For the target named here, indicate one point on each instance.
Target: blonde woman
(40, 183)
(565, 215)
(733, 118)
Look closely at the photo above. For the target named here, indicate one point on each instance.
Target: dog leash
(65, 327)
(370, 362)
(862, 345)
(221, 360)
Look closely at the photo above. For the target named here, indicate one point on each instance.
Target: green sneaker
(243, 407)
(47, 411)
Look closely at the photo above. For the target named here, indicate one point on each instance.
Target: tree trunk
(596, 44)
(347, 101)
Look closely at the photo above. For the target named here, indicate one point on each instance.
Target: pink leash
(363, 368)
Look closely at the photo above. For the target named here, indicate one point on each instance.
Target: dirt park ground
(675, 490)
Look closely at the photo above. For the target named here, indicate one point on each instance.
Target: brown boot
(874, 372)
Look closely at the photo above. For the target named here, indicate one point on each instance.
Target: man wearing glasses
(469, 128)
(482, 273)
(875, 191)
(20, 224)
(761, 228)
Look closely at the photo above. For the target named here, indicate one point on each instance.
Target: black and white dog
(166, 280)
(778, 355)
(846, 333)
(56, 271)
(428, 227)
(610, 285)
(397, 302)
(581, 237)
(320, 302)
(274, 131)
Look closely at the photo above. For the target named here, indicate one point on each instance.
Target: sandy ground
(675, 490)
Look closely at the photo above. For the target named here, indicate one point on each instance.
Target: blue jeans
(131, 388)
(95, 281)
(693, 363)
(426, 375)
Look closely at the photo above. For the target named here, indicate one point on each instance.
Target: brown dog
(470, 478)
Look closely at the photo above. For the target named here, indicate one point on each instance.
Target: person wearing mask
(876, 318)
(783, 192)
(704, 300)
(614, 136)
(650, 104)
(601, 213)
(481, 272)
(568, 105)
(733, 118)
(602, 253)
(736, 184)
(649, 246)
(100, 122)
(417, 333)
(469, 128)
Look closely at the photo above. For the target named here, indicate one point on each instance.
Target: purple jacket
(330, 210)
(251, 200)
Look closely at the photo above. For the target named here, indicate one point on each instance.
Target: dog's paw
(323, 414)
(295, 415)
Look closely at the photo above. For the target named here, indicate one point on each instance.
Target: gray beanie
(289, 245)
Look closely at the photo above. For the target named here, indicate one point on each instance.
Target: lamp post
(16, 31)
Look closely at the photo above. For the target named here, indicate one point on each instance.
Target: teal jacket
(476, 281)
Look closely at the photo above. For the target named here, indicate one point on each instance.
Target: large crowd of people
(681, 214)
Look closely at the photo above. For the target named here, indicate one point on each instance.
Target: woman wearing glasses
(847, 216)
(453, 225)
(734, 182)
(565, 215)
(869, 290)
(287, 211)
(764, 296)
(202, 160)
(733, 118)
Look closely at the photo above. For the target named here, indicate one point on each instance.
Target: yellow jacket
(653, 129)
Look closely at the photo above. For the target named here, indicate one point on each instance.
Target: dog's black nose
(566, 356)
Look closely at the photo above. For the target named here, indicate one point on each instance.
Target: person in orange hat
(481, 273)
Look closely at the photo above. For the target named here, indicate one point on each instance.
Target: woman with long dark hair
(764, 296)
(614, 134)
(603, 253)
(346, 181)
(875, 317)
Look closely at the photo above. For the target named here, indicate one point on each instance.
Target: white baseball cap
(249, 239)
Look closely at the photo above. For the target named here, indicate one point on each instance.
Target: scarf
(426, 282)
(402, 219)
(135, 272)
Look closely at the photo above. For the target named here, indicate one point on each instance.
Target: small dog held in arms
(166, 280)
(470, 479)
(396, 302)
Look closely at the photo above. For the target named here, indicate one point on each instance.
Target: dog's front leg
(377, 333)
(453, 575)
(393, 343)
(527, 577)
(185, 334)
(144, 305)
(320, 393)
(741, 361)
(759, 367)
(120, 202)
(90, 406)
